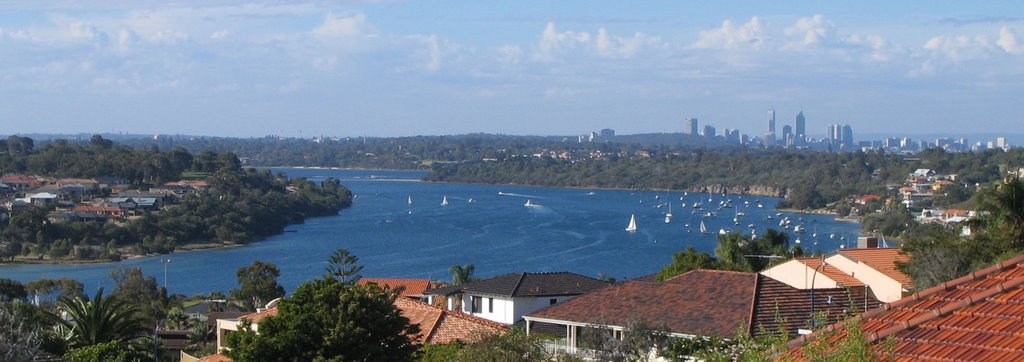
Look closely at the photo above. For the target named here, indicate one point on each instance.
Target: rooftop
(527, 285)
(976, 317)
(442, 326)
(410, 287)
(881, 259)
(832, 272)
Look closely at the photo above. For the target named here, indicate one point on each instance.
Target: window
(476, 304)
(490, 305)
(553, 301)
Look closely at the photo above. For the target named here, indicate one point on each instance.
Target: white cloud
(510, 55)
(82, 30)
(959, 48)
(747, 36)
(217, 35)
(554, 43)
(169, 37)
(1008, 41)
(810, 32)
(341, 26)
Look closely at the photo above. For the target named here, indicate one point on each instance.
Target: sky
(401, 68)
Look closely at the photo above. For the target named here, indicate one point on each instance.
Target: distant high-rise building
(709, 131)
(787, 135)
(801, 127)
(607, 133)
(1001, 142)
(848, 136)
(691, 126)
(771, 121)
(831, 135)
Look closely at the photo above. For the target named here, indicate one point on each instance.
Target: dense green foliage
(100, 320)
(112, 351)
(807, 179)
(329, 319)
(939, 253)
(239, 206)
(736, 252)
(257, 285)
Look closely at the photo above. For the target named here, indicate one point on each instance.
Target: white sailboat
(703, 228)
(632, 223)
(444, 201)
(668, 215)
(529, 203)
(410, 200)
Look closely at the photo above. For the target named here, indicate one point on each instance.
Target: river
(577, 230)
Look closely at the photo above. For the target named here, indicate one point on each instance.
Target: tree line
(241, 204)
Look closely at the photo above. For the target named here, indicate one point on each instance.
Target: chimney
(867, 242)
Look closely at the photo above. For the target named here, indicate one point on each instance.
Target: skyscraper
(801, 127)
(771, 121)
(709, 131)
(848, 137)
(691, 126)
(787, 135)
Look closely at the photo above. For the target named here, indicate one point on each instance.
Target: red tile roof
(442, 326)
(258, 316)
(832, 272)
(883, 260)
(976, 317)
(705, 302)
(215, 358)
(411, 287)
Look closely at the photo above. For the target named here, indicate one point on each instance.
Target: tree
(329, 320)
(462, 274)
(685, 261)
(49, 290)
(19, 339)
(343, 265)
(11, 290)
(100, 320)
(258, 285)
(112, 351)
(131, 284)
(514, 346)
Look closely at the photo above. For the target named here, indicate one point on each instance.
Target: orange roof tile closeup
(442, 326)
(978, 317)
(883, 260)
(832, 272)
(215, 358)
(411, 287)
(258, 316)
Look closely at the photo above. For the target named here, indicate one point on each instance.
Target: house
(873, 268)
(976, 317)
(108, 211)
(923, 172)
(506, 298)
(6, 189)
(410, 288)
(43, 199)
(20, 182)
(699, 303)
(436, 325)
(864, 200)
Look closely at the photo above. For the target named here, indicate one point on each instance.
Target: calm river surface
(573, 230)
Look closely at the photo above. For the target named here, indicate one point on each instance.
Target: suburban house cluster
(101, 199)
(793, 298)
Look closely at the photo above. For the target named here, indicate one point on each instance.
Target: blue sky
(396, 68)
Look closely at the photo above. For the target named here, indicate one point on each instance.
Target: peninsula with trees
(68, 202)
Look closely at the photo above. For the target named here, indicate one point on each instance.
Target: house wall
(799, 275)
(528, 305)
(503, 308)
(885, 288)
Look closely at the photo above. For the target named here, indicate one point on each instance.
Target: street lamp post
(165, 262)
(815, 275)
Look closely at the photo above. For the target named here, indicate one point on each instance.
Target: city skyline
(253, 68)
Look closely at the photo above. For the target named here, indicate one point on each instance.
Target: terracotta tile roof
(215, 358)
(832, 272)
(780, 305)
(258, 316)
(883, 260)
(411, 287)
(97, 209)
(707, 303)
(438, 325)
(976, 317)
(700, 302)
(527, 285)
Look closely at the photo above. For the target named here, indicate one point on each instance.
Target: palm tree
(462, 274)
(89, 322)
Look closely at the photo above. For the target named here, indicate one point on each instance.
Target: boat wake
(517, 195)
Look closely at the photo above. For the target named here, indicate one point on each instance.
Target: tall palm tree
(89, 322)
(462, 274)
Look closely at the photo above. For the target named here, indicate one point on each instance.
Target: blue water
(573, 230)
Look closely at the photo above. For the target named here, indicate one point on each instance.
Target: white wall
(508, 311)
(798, 275)
(885, 288)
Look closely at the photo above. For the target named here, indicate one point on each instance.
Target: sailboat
(444, 201)
(529, 203)
(632, 223)
(668, 215)
(410, 200)
(703, 228)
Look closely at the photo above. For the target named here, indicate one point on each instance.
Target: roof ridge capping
(944, 286)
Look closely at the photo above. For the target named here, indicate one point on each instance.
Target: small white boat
(444, 201)
(799, 229)
(410, 200)
(722, 231)
(703, 228)
(668, 215)
(632, 223)
(529, 203)
(471, 200)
